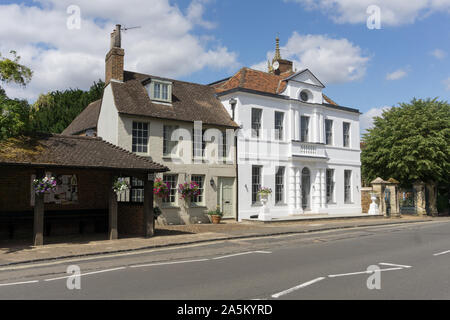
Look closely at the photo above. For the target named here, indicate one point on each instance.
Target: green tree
(14, 113)
(13, 71)
(409, 143)
(14, 116)
(54, 111)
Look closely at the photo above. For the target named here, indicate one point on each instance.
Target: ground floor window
(200, 180)
(347, 186)
(171, 181)
(135, 193)
(330, 185)
(279, 185)
(256, 182)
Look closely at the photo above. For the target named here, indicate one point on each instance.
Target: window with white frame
(137, 190)
(140, 137)
(279, 185)
(200, 180)
(124, 196)
(330, 185)
(328, 131)
(223, 146)
(256, 182)
(346, 134)
(161, 90)
(171, 181)
(169, 145)
(198, 143)
(347, 186)
(304, 129)
(279, 121)
(256, 122)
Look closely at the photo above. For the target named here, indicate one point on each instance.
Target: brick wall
(365, 199)
(130, 219)
(93, 188)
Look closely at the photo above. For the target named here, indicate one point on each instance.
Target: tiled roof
(255, 80)
(87, 119)
(72, 151)
(190, 101)
(247, 78)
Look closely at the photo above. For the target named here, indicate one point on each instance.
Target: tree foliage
(13, 71)
(54, 111)
(409, 143)
(14, 116)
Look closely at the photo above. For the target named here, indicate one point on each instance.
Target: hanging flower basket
(264, 191)
(44, 185)
(161, 189)
(120, 185)
(188, 190)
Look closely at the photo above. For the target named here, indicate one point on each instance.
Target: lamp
(211, 182)
(233, 102)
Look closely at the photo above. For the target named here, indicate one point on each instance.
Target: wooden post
(113, 234)
(38, 225)
(149, 220)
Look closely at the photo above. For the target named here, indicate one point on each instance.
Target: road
(413, 259)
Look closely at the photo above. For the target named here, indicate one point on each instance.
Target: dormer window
(160, 90)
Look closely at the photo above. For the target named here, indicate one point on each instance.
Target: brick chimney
(114, 58)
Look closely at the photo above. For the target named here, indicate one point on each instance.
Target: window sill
(280, 204)
(169, 157)
(168, 206)
(199, 206)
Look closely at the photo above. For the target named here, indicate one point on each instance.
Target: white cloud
(165, 45)
(438, 54)
(393, 12)
(396, 75)
(446, 83)
(331, 60)
(366, 119)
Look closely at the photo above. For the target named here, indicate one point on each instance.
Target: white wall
(108, 118)
(270, 153)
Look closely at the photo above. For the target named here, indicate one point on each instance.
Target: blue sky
(206, 40)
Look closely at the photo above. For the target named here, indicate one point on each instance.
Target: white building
(294, 140)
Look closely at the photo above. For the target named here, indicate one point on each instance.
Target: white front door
(226, 197)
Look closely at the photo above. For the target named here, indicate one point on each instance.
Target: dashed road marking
(394, 265)
(441, 253)
(239, 254)
(17, 283)
(166, 263)
(303, 285)
(362, 272)
(86, 274)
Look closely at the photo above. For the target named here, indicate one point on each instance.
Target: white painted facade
(270, 153)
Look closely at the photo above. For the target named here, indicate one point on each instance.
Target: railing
(308, 149)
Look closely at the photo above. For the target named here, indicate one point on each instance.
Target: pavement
(21, 252)
(396, 261)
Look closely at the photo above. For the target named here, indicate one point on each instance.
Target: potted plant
(120, 185)
(216, 215)
(161, 189)
(188, 190)
(263, 193)
(44, 185)
(156, 212)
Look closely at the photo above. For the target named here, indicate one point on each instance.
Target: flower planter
(216, 219)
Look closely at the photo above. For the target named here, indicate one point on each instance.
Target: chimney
(114, 58)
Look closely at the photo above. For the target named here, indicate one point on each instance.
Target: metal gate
(406, 200)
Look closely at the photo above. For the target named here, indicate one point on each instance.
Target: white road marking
(303, 285)
(441, 253)
(86, 274)
(393, 265)
(166, 263)
(240, 254)
(361, 272)
(17, 283)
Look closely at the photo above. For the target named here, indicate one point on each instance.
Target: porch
(83, 201)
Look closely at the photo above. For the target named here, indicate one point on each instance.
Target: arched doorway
(306, 187)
